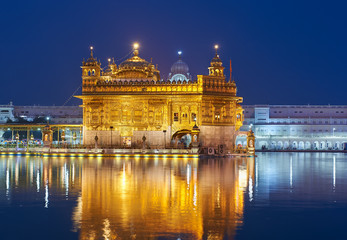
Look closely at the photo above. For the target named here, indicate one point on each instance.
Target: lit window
(217, 116)
(176, 117)
(193, 116)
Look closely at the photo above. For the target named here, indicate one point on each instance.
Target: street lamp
(111, 127)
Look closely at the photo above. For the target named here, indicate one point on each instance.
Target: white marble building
(57, 114)
(302, 127)
(6, 112)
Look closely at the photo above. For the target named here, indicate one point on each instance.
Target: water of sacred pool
(275, 196)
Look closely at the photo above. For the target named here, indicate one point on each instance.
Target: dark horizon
(282, 53)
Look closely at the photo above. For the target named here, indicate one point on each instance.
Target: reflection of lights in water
(7, 182)
(157, 201)
(250, 188)
(334, 172)
(46, 194)
(31, 173)
(73, 173)
(124, 179)
(38, 181)
(242, 177)
(107, 231)
(77, 214)
(291, 172)
(188, 174)
(256, 175)
(218, 196)
(67, 184)
(16, 175)
(195, 195)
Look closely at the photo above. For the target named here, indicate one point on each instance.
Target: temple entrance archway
(181, 138)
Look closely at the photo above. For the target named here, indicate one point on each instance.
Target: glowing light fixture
(136, 46)
(180, 53)
(216, 46)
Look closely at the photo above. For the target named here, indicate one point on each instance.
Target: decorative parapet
(213, 84)
(140, 86)
(204, 84)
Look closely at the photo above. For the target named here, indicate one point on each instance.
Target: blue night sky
(283, 52)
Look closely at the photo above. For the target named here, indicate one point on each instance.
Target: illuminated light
(334, 172)
(38, 181)
(136, 46)
(46, 195)
(179, 52)
(216, 46)
(291, 172)
(91, 47)
(7, 182)
(109, 60)
(250, 189)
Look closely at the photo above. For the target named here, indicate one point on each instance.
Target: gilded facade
(127, 103)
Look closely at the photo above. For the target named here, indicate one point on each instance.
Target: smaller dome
(179, 67)
(216, 61)
(179, 71)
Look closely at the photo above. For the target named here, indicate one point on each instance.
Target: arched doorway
(337, 146)
(294, 145)
(307, 145)
(280, 145)
(181, 138)
(263, 145)
(301, 145)
(273, 145)
(316, 145)
(322, 145)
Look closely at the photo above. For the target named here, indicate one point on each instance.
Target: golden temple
(130, 105)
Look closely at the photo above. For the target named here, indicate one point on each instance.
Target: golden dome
(137, 68)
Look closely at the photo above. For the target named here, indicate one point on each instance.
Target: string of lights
(72, 95)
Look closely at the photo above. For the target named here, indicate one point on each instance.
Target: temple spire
(91, 51)
(216, 48)
(179, 55)
(231, 71)
(136, 49)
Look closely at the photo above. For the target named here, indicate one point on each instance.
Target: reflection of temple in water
(146, 198)
(46, 176)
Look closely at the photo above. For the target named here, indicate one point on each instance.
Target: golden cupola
(136, 69)
(216, 68)
(92, 67)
